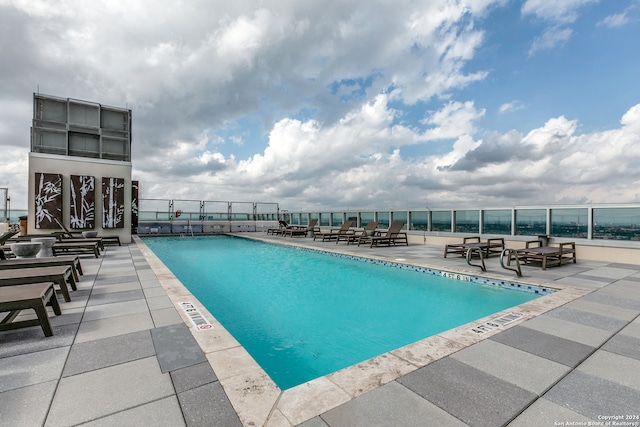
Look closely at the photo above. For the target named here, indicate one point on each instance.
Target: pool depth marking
(198, 320)
(496, 323)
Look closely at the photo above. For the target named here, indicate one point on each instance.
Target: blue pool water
(303, 314)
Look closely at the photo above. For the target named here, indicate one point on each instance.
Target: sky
(342, 104)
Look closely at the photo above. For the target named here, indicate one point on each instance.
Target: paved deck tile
(17, 408)
(32, 368)
(104, 280)
(112, 297)
(586, 335)
(108, 391)
(389, 405)
(115, 309)
(101, 353)
(160, 413)
(31, 340)
(606, 323)
(592, 396)
(603, 298)
(103, 328)
(176, 348)
(557, 349)
(473, 396)
(546, 413)
(518, 367)
(613, 367)
(165, 317)
(625, 345)
(192, 376)
(208, 405)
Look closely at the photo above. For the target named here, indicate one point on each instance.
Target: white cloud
(510, 107)
(615, 20)
(559, 11)
(552, 37)
(191, 73)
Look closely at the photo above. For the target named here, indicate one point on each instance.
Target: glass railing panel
(419, 220)
(325, 219)
(441, 221)
(383, 219)
(497, 222)
(400, 216)
(571, 222)
(467, 221)
(366, 218)
(616, 223)
(531, 222)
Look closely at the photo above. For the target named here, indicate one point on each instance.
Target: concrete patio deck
(123, 353)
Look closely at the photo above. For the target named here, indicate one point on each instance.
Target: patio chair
(302, 230)
(282, 225)
(14, 299)
(333, 233)
(393, 236)
(492, 246)
(369, 230)
(25, 276)
(547, 256)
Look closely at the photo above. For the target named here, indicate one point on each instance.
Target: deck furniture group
(534, 252)
(369, 235)
(32, 283)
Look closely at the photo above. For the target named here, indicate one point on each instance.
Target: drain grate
(496, 323)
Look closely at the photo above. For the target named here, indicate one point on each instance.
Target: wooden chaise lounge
(71, 260)
(59, 274)
(393, 236)
(14, 299)
(547, 256)
(493, 246)
(333, 233)
(68, 234)
(302, 230)
(282, 225)
(369, 230)
(76, 247)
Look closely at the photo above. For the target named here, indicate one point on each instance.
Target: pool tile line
(256, 398)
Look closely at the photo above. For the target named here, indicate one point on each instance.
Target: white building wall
(67, 166)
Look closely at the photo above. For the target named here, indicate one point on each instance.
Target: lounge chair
(369, 230)
(302, 230)
(67, 247)
(282, 225)
(71, 260)
(393, 236)
(68, 234)
(59, 274)
(333, 233)
(492, 246)
(14, 299)
(547, 256)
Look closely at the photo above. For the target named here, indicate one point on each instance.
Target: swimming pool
(303, 314)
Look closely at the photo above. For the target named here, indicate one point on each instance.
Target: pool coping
(258, 400)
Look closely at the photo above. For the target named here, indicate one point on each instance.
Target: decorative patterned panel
(48, 197)
(82, 212)
(134, 207)
(112, 202)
